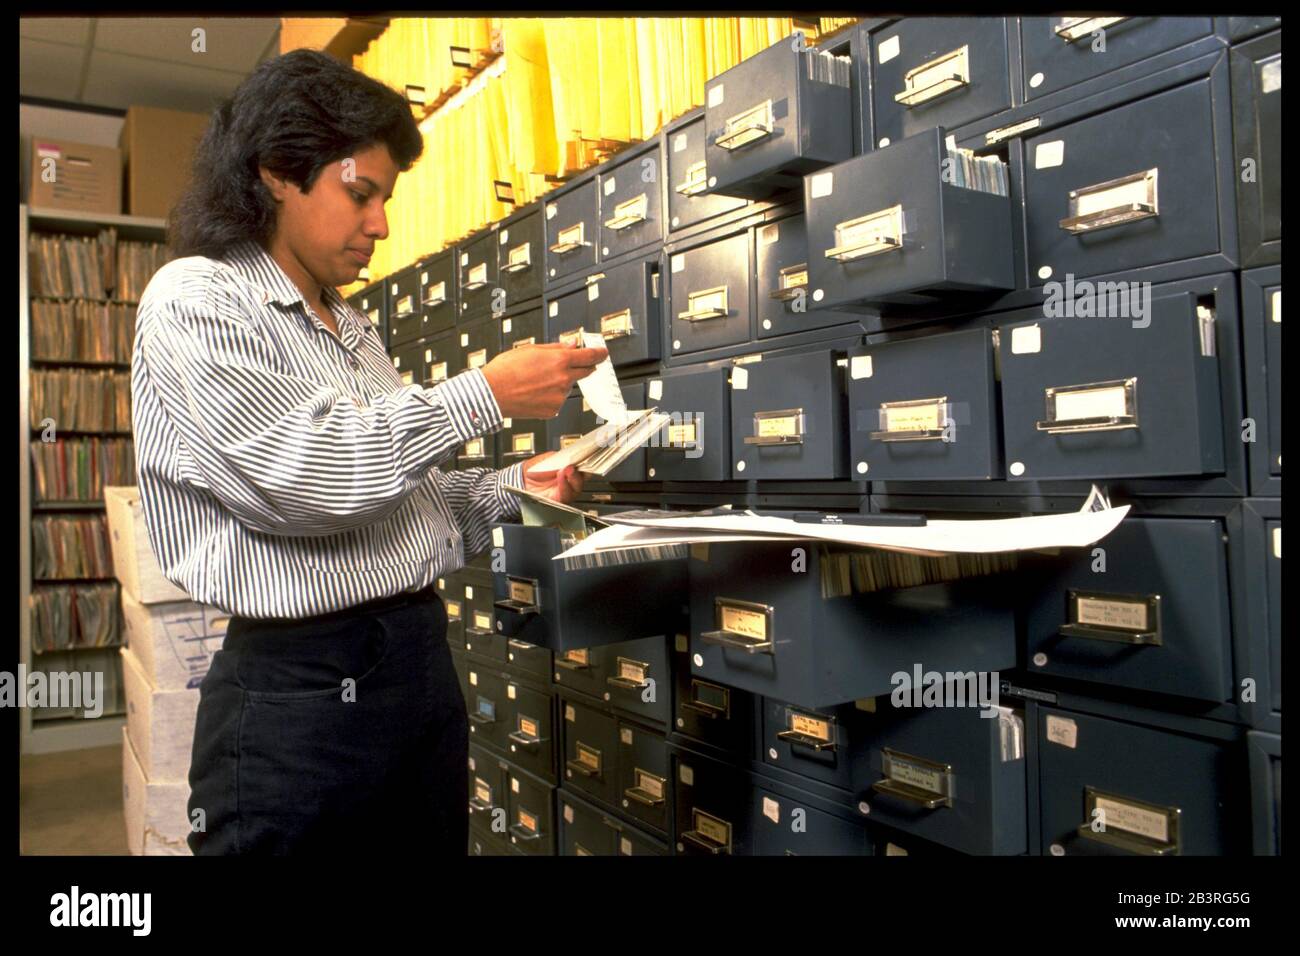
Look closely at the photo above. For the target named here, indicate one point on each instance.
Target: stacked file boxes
(170, 641)
(1032, 269)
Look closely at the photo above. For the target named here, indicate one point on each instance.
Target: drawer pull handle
(436, 294)
(746, 127)
(737, 641)
(1115, 202)
(571, 665)
(797, 739)
(868, 235)
(784, 427)
(915, 795)
(405, 306)
(1116, 618)
(617, 325)
(524, 834)
(1122, 815)
(938, 77)
(520, 257)
(1095, 407)
(696, 181)
(477, 278)
(705, 304)
(916, 780)
(523, 596)
(524, 740)
(1071, 29)
(577, 766)
(793, 280)
(628, 213)
(703, 707)
(710, 834)
(521, 645)
(922, 419)
(643, 797)
(570, 238)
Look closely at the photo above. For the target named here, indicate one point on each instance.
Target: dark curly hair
(294, 115)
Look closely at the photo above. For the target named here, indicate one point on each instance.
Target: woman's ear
(276, 184)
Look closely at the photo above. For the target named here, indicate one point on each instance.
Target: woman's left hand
(562, 485)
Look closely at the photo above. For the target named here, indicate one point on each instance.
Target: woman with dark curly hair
(289, 478)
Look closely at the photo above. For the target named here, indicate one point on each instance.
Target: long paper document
(939, 537)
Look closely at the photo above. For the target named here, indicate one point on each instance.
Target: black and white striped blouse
(286, 472)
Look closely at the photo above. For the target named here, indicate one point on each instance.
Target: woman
(289, 478)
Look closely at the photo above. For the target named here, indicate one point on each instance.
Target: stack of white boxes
(170, 641)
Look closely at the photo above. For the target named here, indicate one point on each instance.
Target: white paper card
(1063, 731)
(860, 367)
(609, 185)
(679, 263)
(887, 49)
(655, 389)
(601, 388)
(1026, 340)
(1047, 155)
(739, 377)
(498, 538)
(715, 95)
(771, 809)
(822, 185)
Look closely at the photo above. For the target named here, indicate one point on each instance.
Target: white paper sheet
(601, 388)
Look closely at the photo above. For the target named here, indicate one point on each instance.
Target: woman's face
(333, 229)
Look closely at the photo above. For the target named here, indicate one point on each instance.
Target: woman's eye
(359, 197)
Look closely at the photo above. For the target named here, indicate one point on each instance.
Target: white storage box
(156, 820)
(173, 643)
(161, 723)
(133, 562)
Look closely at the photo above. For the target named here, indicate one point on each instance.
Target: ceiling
(141, 61)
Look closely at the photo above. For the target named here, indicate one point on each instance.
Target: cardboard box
(157, 822)
(161, 723)
(174, 642)
(340, 37)
(157, 149)
(134, 563)
(75, 176)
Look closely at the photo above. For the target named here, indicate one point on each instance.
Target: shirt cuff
(470, 404)
(513, 476)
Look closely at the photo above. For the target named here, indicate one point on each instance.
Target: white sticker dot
(1040, 659)
(818, 295)
(1045, 272)
(1017, 468)
(862, 468)
(740, 466)
(698, 660)
(677, 343)
(767, 324)
(650, 472)
(676, 221)
(1036, 80)
(884, 141)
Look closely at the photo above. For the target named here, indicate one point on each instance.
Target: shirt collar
(257, 266)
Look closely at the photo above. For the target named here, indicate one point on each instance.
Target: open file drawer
(540, 602)
(631, 200)
(903, 225)
(696, 444)
(774, 117)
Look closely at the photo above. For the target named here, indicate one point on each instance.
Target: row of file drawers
(511, 811)
(1180, 601)
(1069, 172)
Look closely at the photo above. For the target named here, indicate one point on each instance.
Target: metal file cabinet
(726, 718)
(528, 719)
(631, 202)
(1109, 787)
(488, 786)
(372, 302)
(945, 774)
(784, 826)
(481, 634)
(1257, 139)
(476, 276)
(1265, 757)
(567, 316)
(687, 182)
(775, 116)
(461, 665)
(758, 625)
(407, 362)
(529, 662)
(696, 444)
(589, 754)
(938, 71)
(1058, 52)
(1139, 184)
(709, 294)
(439, 357)
(521, 438)
(892, 228)
(539, 601)
(623, 305)
(520, 255)
(925, 408)
(1261, 619)
(406, 315)
(486, 705)
(1261, 319)
(571, 219)
(438, 301)
(574, 420)
(584, 830)
(480, 342)
(1242, 28)
(782, 301)
(531, 814)
(711, 806)
(787, 418)
(1113, 397)
(633, 467)
(1155, 618)
(643, 790)
(638, 679)
(523, 328)
(450, 590)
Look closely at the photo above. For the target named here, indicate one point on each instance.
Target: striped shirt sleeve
(478, 501)
(293, 456)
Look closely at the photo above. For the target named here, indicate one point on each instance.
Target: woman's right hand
(534, 380)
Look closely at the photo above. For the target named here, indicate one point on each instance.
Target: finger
(585, 357)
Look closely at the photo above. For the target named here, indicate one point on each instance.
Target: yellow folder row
(570, 92)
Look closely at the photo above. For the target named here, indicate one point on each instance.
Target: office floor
(70, 803)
